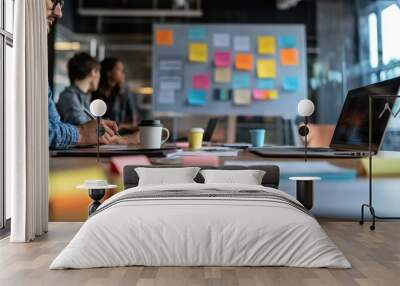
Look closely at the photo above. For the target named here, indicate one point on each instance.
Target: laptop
(351, 136)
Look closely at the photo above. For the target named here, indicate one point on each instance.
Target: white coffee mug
(150, 133)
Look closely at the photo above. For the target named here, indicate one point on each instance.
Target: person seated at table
(121, 104)
(84, 76)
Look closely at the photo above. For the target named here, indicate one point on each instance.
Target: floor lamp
(370, 154)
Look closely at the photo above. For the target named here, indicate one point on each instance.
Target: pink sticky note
(118, 163)
(200, 161)
(200, 81)
(222, 59)
(260, 94)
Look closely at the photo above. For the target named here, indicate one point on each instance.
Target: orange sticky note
(164, 37)
(265, 94)
(289, 57)
(244, 62)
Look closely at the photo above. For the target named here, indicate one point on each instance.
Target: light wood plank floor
(375, 257)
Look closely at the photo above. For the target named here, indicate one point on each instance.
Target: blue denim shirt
(72, 105)
(61, 135)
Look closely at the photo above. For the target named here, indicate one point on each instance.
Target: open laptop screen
(351, 132)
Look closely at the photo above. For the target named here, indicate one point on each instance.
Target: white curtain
(26, 126)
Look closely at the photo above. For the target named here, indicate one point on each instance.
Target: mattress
(201, 225)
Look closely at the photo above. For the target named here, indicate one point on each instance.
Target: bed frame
(270, 179)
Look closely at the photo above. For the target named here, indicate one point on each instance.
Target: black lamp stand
(303, 131)
(370, 154)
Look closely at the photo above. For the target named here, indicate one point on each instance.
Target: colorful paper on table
(241, 80)
(222, 94)
(198, 52)
(241, 43)
(244, 62)
(196, 97)
(265, 94)
(166, 96)
(265, 84)
(221, 40)
(171, 65)
(171, 82)
(266, 45)
(241, 96)
(222, 59)
(287, 41)
(222, 75)
(197, 34)
(266, 69)
(289, 57)
(290, 83)
(164, 37)
(200, 81)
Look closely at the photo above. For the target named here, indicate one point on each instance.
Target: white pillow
(248, 177)
(164, 176)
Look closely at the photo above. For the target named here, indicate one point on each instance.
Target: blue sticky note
(265, 84)
(290, 83)
(196, 97)
(241, 80)
(197, 34)
(287, 41)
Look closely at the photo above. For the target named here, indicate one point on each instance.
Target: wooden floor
(375, 257)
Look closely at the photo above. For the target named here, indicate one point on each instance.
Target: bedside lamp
(98, 108)
(305, 108)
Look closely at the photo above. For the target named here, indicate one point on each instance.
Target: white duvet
(200, 231)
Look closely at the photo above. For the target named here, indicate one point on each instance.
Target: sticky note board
(265, 84)
(241, 96)
(289, 57)
(266, 68)
(197, 33)
(290, 83)
(221, 40)
(200, 81)
(241, 80)
(198, 52)
(222, 75)
(266, 45)
(265, 94)
(171, 82)
(196, 97)
(164, 37)
(241, 43)
(244, 62)
(222, 59)
(287, 41)
(222, 94)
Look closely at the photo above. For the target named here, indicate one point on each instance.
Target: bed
(198, 224)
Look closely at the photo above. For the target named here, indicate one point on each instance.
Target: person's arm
(64, 135)
(71, 109)
(61, 135)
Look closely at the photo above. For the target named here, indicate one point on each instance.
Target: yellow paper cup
(196, 138)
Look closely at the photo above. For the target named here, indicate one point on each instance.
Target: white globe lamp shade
(305, 107)
(98, 107)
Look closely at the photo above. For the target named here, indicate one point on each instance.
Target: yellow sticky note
(266, 69)
(222, 75)
(289, 57)
(244, 62)
(273, 94)
(198, 52)
(164, 37)
(241, 96)
(266, 45)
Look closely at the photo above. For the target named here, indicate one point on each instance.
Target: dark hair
(107, 65)
(80, 66)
